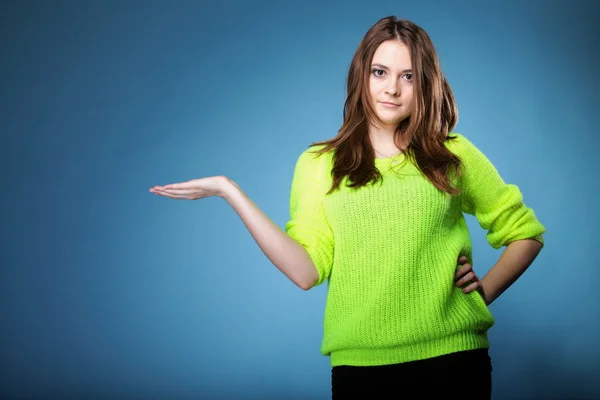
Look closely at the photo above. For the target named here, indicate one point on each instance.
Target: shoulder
(471, 157)
(312, 172)
(457, 143)
(461, 146)
(314, 162)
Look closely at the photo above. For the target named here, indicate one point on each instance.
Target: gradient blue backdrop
(108, 290)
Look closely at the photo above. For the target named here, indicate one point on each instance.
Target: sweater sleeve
(308, 223)
(498, 206)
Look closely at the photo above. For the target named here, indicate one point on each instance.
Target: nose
(392, 88)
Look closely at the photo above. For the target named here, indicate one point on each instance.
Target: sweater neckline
(397, 159)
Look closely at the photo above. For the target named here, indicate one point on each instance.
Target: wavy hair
(433, 115)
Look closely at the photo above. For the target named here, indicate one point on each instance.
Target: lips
(387, 103)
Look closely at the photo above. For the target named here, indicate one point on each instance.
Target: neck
(382, 139)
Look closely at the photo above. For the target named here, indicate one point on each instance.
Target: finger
(471, 287)
(463, 270)
(171, 195)
(157, 187)
(177, 186)
(183, 192)
(462, 259)
(466, 279)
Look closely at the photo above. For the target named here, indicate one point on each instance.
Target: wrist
(484, 294)
(228, 188)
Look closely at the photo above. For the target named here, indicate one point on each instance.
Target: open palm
(192, 190)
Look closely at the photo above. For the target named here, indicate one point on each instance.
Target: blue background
(108, 290)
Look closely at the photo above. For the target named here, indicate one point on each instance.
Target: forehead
(393, 54)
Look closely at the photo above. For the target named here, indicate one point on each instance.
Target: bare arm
(515, 259)
(513, 262)
(289, 256)
(283, 251)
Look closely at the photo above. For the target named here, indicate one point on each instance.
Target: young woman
(378, 213)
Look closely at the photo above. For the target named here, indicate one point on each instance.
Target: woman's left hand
(466, 278)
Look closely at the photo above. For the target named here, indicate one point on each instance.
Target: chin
(392, 121)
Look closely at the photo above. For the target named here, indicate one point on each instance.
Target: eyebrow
(386, 68)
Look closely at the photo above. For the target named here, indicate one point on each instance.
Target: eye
(378, 72)
(408, 77)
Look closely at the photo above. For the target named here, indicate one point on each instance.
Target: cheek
(373, 88)
(379, 84)
(408, 100)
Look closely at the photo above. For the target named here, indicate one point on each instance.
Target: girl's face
(391, 83)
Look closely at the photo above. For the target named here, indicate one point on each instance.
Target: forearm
(513, 262)
(289, 256)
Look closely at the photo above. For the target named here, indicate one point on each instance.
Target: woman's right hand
(288, 255)
(194, 189)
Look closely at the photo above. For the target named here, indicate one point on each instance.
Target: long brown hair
(433, 115)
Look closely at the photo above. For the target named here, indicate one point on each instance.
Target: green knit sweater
(389, 251)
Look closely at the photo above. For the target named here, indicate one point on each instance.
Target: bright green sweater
(389, 252)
